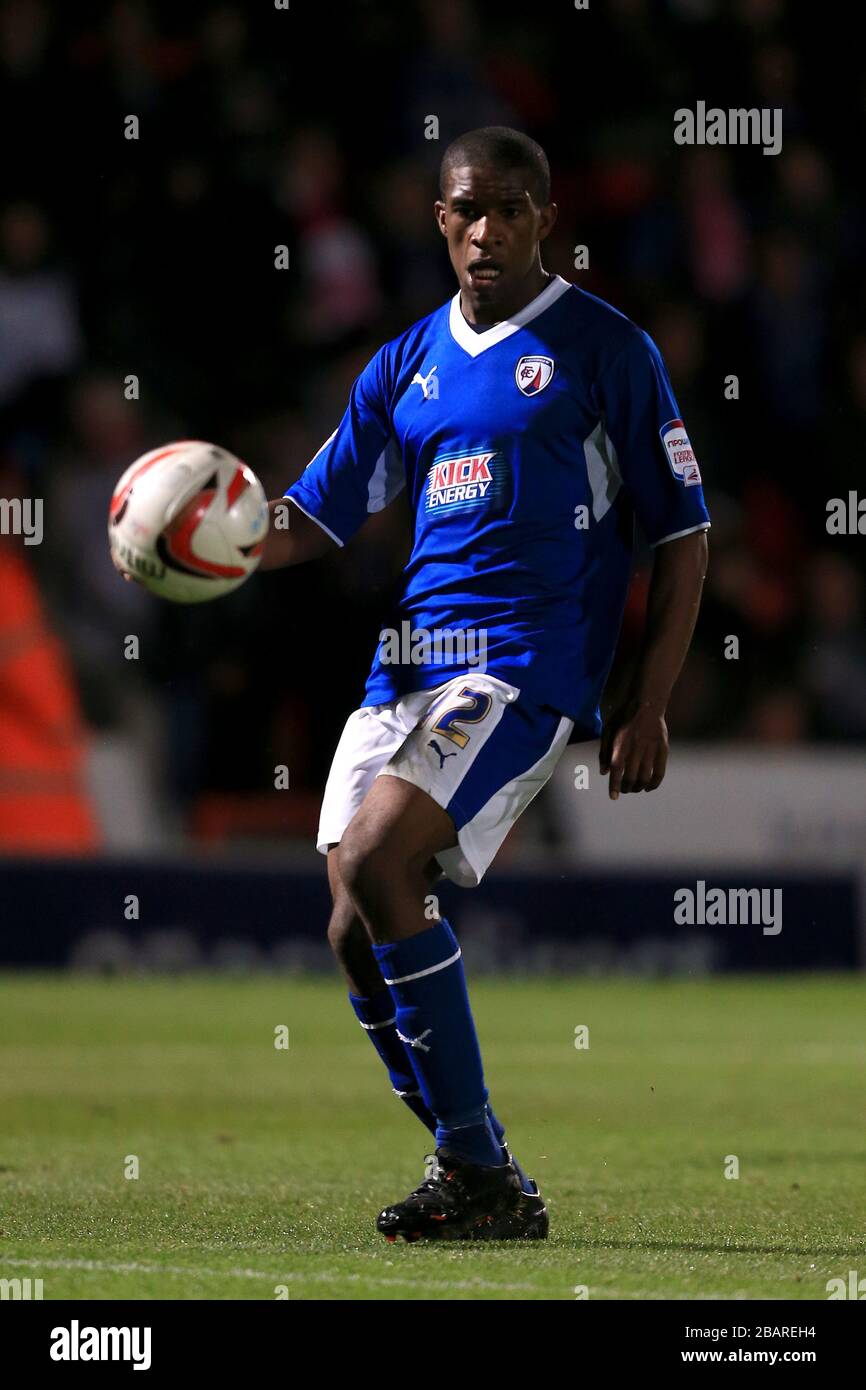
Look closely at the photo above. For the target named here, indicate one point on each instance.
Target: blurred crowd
(305, 127)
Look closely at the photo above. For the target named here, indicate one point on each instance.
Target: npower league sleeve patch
(681, 455)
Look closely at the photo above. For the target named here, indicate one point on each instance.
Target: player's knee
(347, 936)
(341, 924)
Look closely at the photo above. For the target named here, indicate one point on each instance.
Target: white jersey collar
(475, 343)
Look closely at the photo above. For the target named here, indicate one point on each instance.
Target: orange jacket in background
(44, 805)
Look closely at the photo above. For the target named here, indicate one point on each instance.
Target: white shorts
(473, 744)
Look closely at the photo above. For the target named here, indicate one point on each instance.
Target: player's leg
(502, 751)
(369, 995)
(374, 1008)
(369, 740)
(383, 859)
(348, 938)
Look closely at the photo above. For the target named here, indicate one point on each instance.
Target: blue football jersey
(527, 450)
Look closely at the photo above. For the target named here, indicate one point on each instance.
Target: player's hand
(634, 749)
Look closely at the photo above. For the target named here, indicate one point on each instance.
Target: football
(188, 521)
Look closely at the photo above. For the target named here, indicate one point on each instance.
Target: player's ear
(439, 214)
(547, 220)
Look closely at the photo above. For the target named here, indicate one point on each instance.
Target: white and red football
(188, 521)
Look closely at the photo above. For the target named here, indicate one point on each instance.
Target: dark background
(306, 128)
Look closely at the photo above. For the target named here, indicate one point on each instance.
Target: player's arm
(292, 537)
(660, 472)
(634, 745)
(357, 471)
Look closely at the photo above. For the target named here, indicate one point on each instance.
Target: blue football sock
(378, 1017)
(425, 976)
(376, 1014)
(526, 1183)
(497, 1128)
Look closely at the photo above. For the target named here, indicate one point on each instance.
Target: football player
(530, 423)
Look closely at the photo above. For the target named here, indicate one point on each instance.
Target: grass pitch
(261, 1170)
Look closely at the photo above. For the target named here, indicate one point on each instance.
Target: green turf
(261, 1167)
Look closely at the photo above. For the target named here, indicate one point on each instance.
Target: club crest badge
(532, 374)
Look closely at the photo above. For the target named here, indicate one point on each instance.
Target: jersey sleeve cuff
(290, 496)
(675, 535)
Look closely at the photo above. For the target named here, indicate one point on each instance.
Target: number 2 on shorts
(448, 721)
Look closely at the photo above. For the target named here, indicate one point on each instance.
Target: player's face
(493, 228)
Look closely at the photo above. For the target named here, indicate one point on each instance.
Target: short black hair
(505, 149)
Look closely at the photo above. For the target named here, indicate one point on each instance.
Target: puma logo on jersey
(422, 381)
(442, 756)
